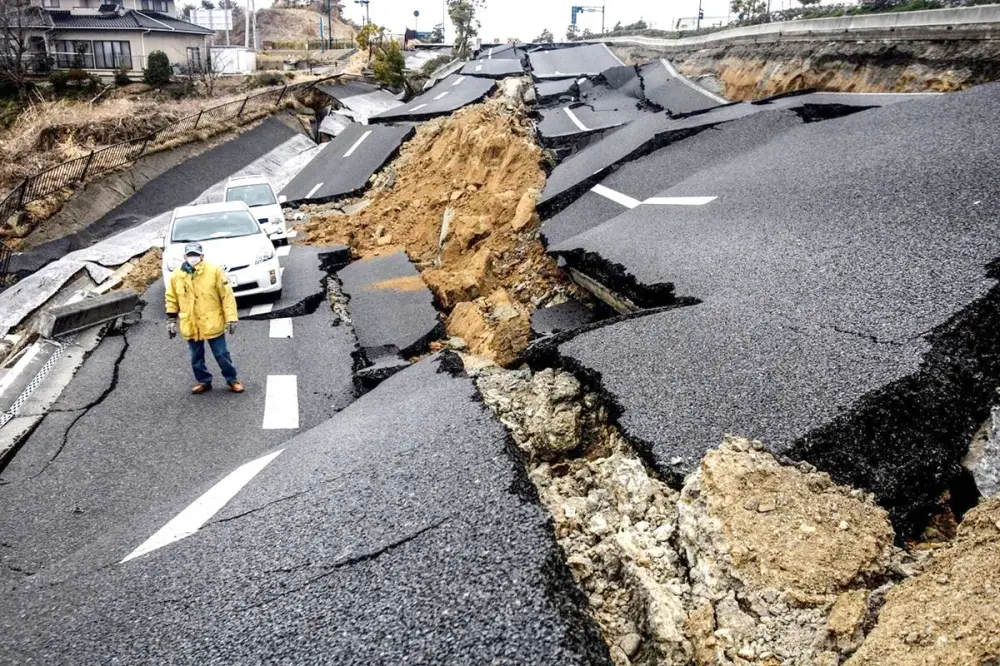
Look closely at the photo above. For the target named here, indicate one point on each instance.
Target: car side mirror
(282, 198)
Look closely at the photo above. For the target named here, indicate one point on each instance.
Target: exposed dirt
(460, 199)
(146, 271)
(297, 25)
(949, 615)
(752, 71)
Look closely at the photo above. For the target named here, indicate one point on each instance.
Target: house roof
(130, 19)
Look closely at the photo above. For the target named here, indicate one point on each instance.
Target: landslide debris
(949, 614)
(146, 270)
(460, 200)
(754, 561)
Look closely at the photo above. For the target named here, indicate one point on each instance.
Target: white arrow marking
(190, 520)
(576, 121)
(358, 143)
(263, 308)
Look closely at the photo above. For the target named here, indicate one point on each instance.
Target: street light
(364, 3)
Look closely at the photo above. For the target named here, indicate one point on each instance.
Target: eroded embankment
(753, 561)
(460, 200)
(744, 72)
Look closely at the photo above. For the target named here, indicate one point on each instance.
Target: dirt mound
(297, 25)
(949, 615)
(460, 200)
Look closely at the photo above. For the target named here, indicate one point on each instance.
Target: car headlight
(265, 254)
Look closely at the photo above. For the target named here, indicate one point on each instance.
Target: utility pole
(329, 22)
(246, 28)
(697, 25)
(603, 6)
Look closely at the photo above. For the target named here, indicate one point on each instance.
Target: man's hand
(172, 328)
(232, 328)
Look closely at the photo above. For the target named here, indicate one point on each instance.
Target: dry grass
(297, 25)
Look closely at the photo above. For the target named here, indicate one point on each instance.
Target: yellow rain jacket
(204, 301)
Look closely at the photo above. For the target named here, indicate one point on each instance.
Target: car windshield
(208, 226)
(251, 195)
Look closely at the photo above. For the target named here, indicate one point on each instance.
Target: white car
(256, 192)
(231, 238)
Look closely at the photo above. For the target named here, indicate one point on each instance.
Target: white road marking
(576, 121)
(263, 308)
(617, 197)
(19, 367)
(441, 95)
(358, 143)
(292, 234)
(612, 53)
(490, 54)
(283, 250)
(314, 189)
(281, 328)
(629, 202)
(479, 68)
(679, 201)
(691, 84)
(190, 520)
(281, 403)
(418, 107)
(457, 81)
(558, 72)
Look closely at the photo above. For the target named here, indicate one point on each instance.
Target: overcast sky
(525, 19)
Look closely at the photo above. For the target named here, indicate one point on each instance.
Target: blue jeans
(221, 353)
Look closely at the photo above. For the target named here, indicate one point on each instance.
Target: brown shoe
(201, 388)
(236, 387)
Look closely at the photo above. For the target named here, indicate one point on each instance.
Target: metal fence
(99, 162)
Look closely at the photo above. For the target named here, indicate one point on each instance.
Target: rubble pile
(460, 200)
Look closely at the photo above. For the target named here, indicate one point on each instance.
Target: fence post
(243, 106)
(197, 120)
(145, 144)
(20, 197)
(281, 96)
(86, 167)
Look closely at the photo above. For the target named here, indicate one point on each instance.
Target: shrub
(157, 69)
(121, 77)
(59, 81)
(266, 79)
(389, 65)
(62, 81)
(434, 64)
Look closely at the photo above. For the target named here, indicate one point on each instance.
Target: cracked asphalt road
(401, 530)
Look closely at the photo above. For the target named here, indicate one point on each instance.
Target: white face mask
(193, 260)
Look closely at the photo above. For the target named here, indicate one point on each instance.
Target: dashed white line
(617, 197)
(314, 189)
(679, 201)
(441, 95)
(691, 84)
(190, 520)
(479, 68)
(283, 250)
(281, 328)
(612, 54)
(576, 121)
(281, 403)
(457, 81)
(490, 54)
(358, 143)
(260, 309)
(418, 107)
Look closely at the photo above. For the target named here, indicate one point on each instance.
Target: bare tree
(17, 21)
(207, 72)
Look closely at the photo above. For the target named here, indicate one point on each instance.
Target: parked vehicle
(256, 192)
(232, 238)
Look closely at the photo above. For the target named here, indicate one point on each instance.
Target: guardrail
(957, 23)
(99, 162)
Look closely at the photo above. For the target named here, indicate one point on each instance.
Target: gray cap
(193, 248)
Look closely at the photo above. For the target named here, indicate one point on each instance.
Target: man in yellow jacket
(200, 298)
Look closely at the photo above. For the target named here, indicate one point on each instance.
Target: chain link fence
(99, 162)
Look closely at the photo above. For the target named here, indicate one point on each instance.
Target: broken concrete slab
(66, 319)
(390, 305)
(451, 94)
(615, 98)
(414, 488)
(584, 60)
(558, 90)
(561, 318)
(675, 94)
(344, 166)
(360, 100)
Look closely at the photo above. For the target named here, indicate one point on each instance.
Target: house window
(155, 6)
(112, 55)
(194, 59)
(74, 53)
